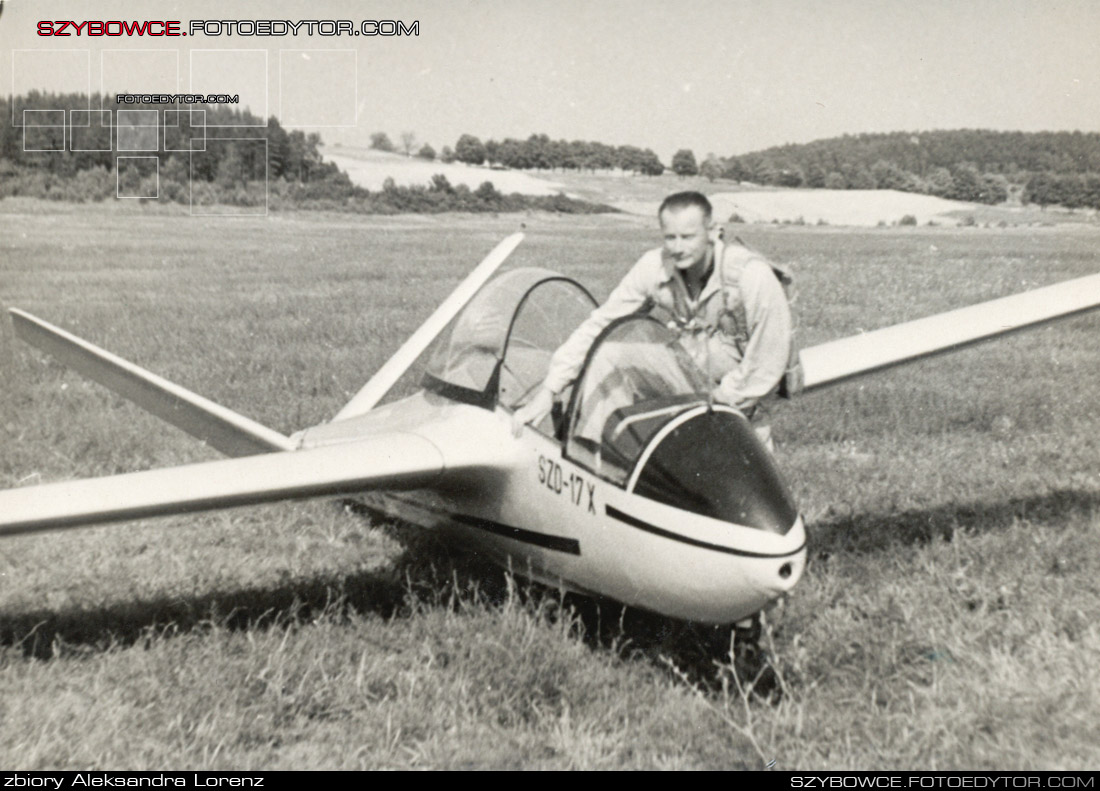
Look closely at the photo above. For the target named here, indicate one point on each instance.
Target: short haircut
(682, 200)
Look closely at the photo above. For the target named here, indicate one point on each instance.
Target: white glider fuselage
(530, 508)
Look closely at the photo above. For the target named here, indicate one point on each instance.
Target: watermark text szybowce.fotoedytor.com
(924, 780)
(230, 27)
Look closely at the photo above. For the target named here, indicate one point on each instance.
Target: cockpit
(636, 377)
(639, 415)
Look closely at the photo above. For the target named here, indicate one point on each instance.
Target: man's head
(686, 225)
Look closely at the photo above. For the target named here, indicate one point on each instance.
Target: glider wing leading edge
(836, 361)
(221, 428)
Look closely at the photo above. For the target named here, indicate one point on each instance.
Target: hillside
(975, 165)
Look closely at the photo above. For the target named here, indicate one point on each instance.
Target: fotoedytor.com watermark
(178, 98)
(1003, 781)
(229, 27)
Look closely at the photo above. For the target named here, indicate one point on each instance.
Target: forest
(205, 155)
(976, 165)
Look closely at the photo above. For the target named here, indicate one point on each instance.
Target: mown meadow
(947, 618)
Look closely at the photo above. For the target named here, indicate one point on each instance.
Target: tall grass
(945, 619)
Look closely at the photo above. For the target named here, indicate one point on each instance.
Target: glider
(636, 488)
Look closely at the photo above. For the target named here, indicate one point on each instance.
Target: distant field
(370, 169)
(946, 620)
(836, 207)
(642, 195)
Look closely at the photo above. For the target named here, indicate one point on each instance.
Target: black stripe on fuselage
(569, 546)
(557, 543)
(634, 521)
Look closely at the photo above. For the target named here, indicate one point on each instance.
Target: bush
(380, 141)
(93, 184)
(173, 191)
(908, 219)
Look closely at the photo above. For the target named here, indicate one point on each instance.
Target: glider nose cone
(714, 464)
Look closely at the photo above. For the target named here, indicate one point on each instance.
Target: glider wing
(231, 433)
(395, 460)
(836, 361)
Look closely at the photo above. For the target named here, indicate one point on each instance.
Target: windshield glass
(539, 307)
(636, 377)
(552, 309)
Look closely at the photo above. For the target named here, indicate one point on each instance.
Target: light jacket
(744, 366)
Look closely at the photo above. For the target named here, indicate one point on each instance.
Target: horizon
(741, 77)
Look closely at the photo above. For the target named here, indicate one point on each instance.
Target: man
(713, 290)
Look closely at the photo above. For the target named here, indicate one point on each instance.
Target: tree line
(205, 153)
(966, 164)
(191, 145)
(973, 165)
(537, 152)
(89, 139)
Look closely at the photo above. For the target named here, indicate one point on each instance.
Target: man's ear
(714, 232)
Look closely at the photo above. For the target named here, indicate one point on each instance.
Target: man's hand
(533, 411)
(746, 405)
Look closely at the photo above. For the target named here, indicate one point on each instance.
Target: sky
(721, 76)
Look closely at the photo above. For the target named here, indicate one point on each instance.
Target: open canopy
(498, 349)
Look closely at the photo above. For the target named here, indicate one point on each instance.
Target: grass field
(947, 619)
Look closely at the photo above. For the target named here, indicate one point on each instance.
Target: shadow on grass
(46, 633)
(687, 651)
(429, 574)
(874, 532)
(387, 591)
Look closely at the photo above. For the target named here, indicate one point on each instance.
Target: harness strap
(735, 315)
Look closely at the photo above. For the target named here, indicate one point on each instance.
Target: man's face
(686, 234)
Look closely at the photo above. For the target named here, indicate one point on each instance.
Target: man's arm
(768, 350)
(628, 297)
